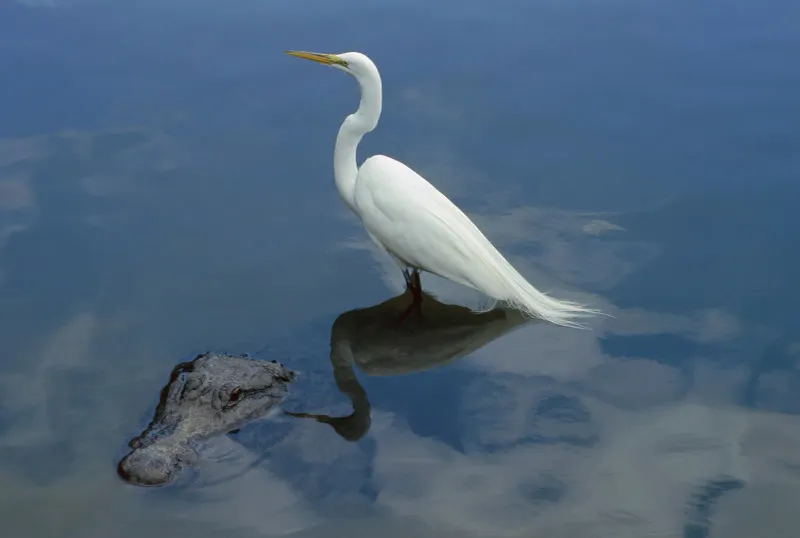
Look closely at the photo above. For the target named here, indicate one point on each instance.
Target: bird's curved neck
(355, 126)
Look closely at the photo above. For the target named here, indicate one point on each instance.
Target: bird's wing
(415, 222)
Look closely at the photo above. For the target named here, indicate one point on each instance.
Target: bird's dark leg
(407, 277)
(414, 285)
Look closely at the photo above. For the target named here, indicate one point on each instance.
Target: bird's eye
(236, 395)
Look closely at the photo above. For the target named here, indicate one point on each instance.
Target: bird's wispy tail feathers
(534, 303)
(501, 281)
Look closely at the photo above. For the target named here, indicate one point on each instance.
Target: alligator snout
(155, 465)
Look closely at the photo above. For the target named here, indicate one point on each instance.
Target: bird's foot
(415, 287)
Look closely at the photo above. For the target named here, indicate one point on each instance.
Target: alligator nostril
(193, 383)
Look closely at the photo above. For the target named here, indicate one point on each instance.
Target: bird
(416, 224)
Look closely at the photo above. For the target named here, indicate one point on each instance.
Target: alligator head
(209, 396)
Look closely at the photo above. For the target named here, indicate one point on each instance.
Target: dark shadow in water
(372, 339)
(702, 506)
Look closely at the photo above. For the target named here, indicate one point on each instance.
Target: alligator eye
(236, 395)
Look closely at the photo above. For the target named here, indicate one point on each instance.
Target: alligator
(208, 396)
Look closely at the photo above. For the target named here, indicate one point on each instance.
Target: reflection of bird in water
(416, 224)
(371, 339)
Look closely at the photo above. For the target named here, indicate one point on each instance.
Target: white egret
(420, 228)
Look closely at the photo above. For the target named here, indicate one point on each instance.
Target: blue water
(166, 188)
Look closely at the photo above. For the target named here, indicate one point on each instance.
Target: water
(165, 188)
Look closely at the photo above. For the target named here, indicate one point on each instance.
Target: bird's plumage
(416, 224)
(421, 228)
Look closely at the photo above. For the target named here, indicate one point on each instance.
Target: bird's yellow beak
(327, 59)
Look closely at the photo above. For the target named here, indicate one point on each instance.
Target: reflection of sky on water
(156, 205)
(653, 422)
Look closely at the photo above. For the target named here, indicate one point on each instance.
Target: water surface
(166, 189)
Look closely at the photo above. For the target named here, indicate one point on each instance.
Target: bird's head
(354, 63)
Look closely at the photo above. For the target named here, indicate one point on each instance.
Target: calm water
(166, 188)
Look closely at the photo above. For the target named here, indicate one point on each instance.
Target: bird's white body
(402, 213)
(414, 222)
